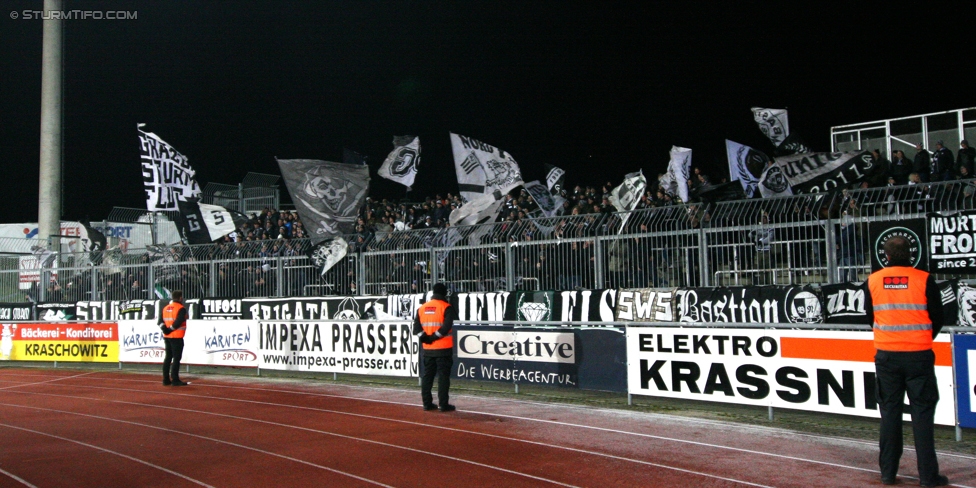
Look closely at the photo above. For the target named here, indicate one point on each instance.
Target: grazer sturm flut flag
(482, 168)
(675, 181)
(166, 174)
(203, 223)
(327, 195)
(548, 203)
(814, 172)
(744, 164)
(402, 163)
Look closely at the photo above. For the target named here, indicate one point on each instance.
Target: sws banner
(513, 355)
(818, 371)
(379, 348)
(759, 304)
(78, 342)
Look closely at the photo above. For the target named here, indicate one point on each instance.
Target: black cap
(440, 289)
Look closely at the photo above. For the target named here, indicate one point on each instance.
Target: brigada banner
(817, 370)
(81, 342)
(385, 348)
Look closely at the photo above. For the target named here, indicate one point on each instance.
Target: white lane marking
(235, 417)
(418, 424)
(59, 378)
(17, 478)
(140, 461)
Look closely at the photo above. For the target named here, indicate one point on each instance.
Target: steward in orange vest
(172, 321)
(433, 325)
(905, 307)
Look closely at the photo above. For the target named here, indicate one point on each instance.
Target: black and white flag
(402, 163)
(202, 223)
(773, 122)
(548, 203)
(555, 179)
(480, 210)
(814, 172)
(625, 196)
(675, 181)
(744, 164)
(166, 174)
(325, 255)
(482, 168)
(96, 243)
(326, 194)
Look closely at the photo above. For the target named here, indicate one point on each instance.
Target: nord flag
(166, 174)
(675, 181)
(744, 163)
(814, 172)
(202, 223)
(402, 163)
(482, 169)
(326, 194)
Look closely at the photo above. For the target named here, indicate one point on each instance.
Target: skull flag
(326, 194)
(402, 163)
(325, 255)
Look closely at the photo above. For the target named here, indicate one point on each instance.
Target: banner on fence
(951, 242)
(378, 348)
(515, 355)
(221, 343)
(16, 311)
(911, 229)
(746, 304)
(964, 352)
(141, 341)
(80, 342)
(819, 371)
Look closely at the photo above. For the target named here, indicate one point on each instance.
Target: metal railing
(819, 238)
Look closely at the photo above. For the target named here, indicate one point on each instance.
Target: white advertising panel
(820, 371)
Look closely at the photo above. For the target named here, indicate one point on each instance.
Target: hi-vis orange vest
(431, 319)
(901, 317)
(169, 317)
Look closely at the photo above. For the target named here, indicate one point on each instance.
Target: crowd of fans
(248, 258)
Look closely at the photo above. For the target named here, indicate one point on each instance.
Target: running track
(107, 429)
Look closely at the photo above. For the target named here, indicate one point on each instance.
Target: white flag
(773, 122)
(480, 210)
(548, 203)
(402, 163)
(741, 157)
(166, 174)
(482, 169)
(675, 181)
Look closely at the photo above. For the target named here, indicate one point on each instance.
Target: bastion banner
(80, 342)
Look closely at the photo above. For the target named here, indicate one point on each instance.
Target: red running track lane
(70, 428)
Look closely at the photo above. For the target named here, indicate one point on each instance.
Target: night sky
(599, 89)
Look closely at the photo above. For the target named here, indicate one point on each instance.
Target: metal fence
(819, 238)
(903, 133)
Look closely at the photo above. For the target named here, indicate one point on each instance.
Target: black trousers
(914, 373)
(441, 367)
(171, 362)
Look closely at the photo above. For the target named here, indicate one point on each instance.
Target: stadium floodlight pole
(49, 191)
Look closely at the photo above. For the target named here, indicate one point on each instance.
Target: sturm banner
(818, 371)
(16, 311)
(380, 348)
(166, 174)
